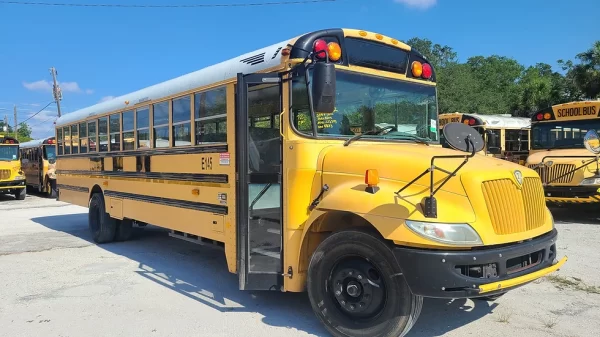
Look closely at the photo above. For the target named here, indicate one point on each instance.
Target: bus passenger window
(92, 136)
(103, 134)
(115, 132)
(182, 133)
(161, 124)
(59, 141)
(83, 141)
(142, 120)
(210, 116)
(74, 139)
(67, 133)
(128, 133)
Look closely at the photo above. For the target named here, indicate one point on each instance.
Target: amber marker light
(372, 179)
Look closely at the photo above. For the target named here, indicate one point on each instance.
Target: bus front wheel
(355, 289)
(21, 193)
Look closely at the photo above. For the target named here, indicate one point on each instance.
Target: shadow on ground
(200, 273)
(575, 213)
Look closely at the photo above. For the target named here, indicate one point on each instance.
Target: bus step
(197, 239)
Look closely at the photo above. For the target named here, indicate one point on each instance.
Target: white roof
(33, 143)
(504, 121)
(251, 62)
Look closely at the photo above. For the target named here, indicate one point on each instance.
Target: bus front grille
(4, 174)
(549, 174)
(513, 210)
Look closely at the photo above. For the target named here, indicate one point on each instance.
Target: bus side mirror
(323, 87)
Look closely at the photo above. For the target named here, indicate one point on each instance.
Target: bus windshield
(50, 152)
(9, 152)
(369, 103)
(561, 135)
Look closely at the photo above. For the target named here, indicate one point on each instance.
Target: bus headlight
(19, 177)
(452, 234)
(590, 181)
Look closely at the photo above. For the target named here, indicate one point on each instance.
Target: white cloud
(106, 98)
(421, 4)
(44, 85)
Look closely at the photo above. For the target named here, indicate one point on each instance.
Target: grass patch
(549, 324)
(562, 283)
(503, 318)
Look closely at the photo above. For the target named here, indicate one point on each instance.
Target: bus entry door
(259, 170)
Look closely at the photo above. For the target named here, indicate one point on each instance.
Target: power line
(271, 3)
(30, 117)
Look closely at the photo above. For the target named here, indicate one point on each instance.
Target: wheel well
(324, 226)
(95, 189)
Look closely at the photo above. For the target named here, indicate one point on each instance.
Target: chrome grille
(514, 210)
(4, 174)
(548, 174)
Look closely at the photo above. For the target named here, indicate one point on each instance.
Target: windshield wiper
(415, 138)
(370, 132)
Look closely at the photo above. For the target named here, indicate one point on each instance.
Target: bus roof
(37, 142)
(251, 62)
(261, 60)
(577, 110)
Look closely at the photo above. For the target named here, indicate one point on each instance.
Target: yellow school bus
(295, 159)
(507, 137)
(569, 172)
(12, 180)
(38, 161)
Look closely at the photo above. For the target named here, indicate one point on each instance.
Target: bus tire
(340, 275)
(102, 226)
(51, 188)
(21, 193)
(124, 230)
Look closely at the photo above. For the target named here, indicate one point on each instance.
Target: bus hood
(555, 156)
(404, 162)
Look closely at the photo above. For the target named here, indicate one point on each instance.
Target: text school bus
(258, 154)
(38, 161)
(506, 137)
(12, 180)
(568, 170)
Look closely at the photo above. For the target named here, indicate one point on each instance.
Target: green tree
(24, 132)
(585, 76)
(438, 55)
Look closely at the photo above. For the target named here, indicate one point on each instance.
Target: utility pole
(16, 125)
(5, 127)
(56, 90)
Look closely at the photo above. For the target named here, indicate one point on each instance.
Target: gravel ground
(55, 282)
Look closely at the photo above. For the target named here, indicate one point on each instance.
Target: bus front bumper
(479, 272)
(575, 194)
(10, 185)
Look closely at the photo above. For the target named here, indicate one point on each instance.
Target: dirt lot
(55, 282)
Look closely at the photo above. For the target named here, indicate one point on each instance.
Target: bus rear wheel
(355, 288)
(102, 226)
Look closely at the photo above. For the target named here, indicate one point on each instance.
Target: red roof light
(319, 48)
(539, 117)
(427, 71)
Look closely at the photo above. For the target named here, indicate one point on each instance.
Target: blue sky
(103, 52)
